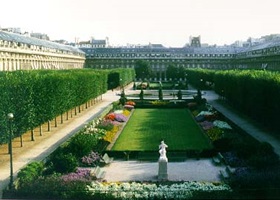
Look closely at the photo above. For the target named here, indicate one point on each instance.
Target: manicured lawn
(147, 127)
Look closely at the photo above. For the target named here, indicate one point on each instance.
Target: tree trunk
(21, 141)
(49, 125)
(41, 130)
(61, 118)
(32, 135)
(67, 115)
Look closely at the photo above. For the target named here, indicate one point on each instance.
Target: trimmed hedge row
(255, 92)
(35, 97)
(120, 77)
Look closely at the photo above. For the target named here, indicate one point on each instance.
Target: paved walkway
(127, 170)
(189, 170)
(242, 121)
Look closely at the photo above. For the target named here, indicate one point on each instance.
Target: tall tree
(142, 69)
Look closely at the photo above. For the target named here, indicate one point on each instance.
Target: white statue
(162, 150)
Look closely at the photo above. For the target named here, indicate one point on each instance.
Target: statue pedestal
(162, 169)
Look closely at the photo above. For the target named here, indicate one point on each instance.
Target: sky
(167, 22)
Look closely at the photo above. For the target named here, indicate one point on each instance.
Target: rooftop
(18, 38)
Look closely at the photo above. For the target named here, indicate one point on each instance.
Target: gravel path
(190, 170)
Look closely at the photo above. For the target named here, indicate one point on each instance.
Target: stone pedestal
(162, 169)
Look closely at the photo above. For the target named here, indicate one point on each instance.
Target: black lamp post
(10, 117)
(201, 84)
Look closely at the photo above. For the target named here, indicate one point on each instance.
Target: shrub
(128, 107)
(63, 163)
(106, 125)
(122, 98)
(132, 103)
(126, 113)
(256, 179)
(30, 173)
(82, 144)
(233, 160)
(160, 94)
(222, 144)
(261, 161)
(54, 187)
(92, 159)
(120, 118)
(245, 148)
(215, 133)
(110, 135)
(79, 175)
(110, 116)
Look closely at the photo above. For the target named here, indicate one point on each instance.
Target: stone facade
(18, 52)
(262, 56)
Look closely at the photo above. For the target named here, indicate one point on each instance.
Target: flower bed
(185, 190)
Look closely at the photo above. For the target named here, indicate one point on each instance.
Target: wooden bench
(106, 159)
(227, 172)
(98, 173)
(218, 159)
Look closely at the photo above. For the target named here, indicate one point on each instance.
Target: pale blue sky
(169, 22)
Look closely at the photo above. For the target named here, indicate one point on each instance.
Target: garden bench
(106, 159)
(98, 173)
(227, 172)
(218, 159)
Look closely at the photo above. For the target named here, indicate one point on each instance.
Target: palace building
(19, 52)
(263, 55)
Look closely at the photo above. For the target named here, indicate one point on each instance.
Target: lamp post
(201, 84)
(10, 117)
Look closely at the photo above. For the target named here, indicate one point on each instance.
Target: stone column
(162, 169)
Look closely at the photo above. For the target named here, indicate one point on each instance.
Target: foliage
(35, 97)
(185, 190)
(130, 102)
(126, 113)
(233, 160)
(160, 94)
(123, 99)
(142, 69)
(179, 94)
(215, 133)
(92, 159)
(255, 179)
(174, 72)
(120, 118)
(29, 173)
(54, 187)
(141, 95)
(106, 124)
(110, 135)
(61, 162)
(254, 92)
(82, 143)
(81, 174)
(119, 77)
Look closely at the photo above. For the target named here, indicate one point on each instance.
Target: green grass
(147, 127)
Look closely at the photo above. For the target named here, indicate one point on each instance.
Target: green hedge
(120, 77)
(35, 97)
(254, 92)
